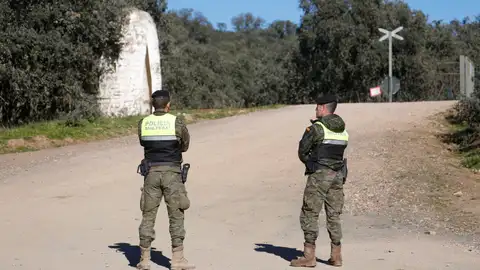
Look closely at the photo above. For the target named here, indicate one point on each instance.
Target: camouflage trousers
(168, 184)
(324, 187)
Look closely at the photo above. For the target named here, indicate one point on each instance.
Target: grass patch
(467, 140)
(59, 133)
(466, 137)
(471, 159)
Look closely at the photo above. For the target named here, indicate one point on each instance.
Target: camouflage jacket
(313, 135)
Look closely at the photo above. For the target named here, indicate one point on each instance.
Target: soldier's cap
(161, 93)
(325, 99)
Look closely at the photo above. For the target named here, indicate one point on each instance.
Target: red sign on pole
(375, 91)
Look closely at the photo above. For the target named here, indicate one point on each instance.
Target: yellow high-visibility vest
(158, 128)
(330, 137)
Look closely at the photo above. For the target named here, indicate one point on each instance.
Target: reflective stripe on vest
(335, 138)
(158, 128)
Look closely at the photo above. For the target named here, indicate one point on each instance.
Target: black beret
(327, 98)
(161, 93)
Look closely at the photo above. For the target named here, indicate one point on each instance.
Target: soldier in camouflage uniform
(164, 138)
(321, 149)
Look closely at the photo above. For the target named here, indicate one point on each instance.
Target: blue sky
(270, 10)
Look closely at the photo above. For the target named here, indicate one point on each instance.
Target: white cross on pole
(389, 35)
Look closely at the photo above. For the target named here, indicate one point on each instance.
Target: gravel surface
(78, 206)
(408, 175)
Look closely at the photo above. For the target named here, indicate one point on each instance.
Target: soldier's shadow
(285, 253)
(132, 253)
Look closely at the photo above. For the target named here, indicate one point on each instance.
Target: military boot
(144, 263)
(178, 261)
(308, 260)
(335, 255)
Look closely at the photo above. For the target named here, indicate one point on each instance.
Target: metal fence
(467, 76)
(455, 79)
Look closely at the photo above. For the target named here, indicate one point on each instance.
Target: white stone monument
(126, 90)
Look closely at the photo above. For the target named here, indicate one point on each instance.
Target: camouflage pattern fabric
(324, 187)
(163, 182)
(314, 135)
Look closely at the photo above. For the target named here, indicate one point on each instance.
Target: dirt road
(78, 207)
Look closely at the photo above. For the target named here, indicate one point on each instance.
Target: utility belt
(313, 166)
(144, 168)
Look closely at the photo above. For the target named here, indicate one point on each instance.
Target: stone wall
(126, 89)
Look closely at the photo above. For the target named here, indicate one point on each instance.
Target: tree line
(50, 50)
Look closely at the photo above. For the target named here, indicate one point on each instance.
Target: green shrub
(50, 53)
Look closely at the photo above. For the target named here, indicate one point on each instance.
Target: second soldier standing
(164, 137)
(321, 149)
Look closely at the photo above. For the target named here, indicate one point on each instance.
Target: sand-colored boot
(335, 255)
(144, 263)
(308, 259)
(178, 260)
